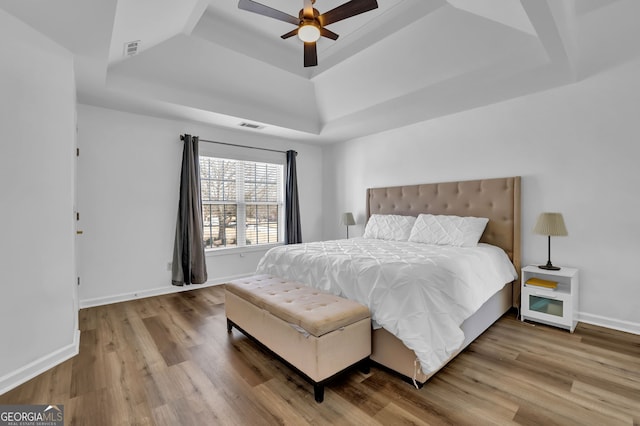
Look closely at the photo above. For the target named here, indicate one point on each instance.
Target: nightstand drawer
(550, 306)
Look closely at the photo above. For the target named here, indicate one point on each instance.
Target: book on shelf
(539, 282)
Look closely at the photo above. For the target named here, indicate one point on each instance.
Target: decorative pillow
(448, 230)
(389, 227)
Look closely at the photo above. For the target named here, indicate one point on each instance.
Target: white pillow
(448, 230)
(389, 227)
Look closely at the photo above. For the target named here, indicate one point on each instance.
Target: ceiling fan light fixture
(311, 24)
(309, 33)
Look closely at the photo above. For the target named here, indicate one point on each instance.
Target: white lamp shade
(550, 224)
(347, 219)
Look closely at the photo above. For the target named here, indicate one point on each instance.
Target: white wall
(38, 298)
(129, 175)
(577, 150)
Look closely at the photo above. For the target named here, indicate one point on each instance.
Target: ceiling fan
(311, 24)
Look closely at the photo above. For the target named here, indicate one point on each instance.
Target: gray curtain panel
(293, 232)
(189, 266)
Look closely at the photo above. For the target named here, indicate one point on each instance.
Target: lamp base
(549, 267)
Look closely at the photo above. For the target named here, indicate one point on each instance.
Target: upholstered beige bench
(317, 333)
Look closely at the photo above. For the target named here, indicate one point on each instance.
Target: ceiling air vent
(250, 125)
(132, 48)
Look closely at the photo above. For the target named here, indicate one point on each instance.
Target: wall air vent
(251, 125)
(132, 48)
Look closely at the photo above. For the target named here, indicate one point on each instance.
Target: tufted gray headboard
(497, 199)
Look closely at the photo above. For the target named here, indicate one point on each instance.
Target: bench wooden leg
(229, 325)
(318, 392)
(365, 366)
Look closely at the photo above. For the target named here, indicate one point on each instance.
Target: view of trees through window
(241, 202)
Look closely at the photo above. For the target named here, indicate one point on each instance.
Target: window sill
(237, 250)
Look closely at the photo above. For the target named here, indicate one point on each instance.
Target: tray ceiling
(407, 61)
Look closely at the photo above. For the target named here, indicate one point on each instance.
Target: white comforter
(421, 293)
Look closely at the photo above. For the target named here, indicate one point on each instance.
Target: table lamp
(550, 224)
(347, 220)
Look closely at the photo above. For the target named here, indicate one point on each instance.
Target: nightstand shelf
(557, 307)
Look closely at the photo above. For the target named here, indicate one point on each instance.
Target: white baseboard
(616, 324)
(39, 366)
(168, 289)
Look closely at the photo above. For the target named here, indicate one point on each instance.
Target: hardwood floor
(168, 360)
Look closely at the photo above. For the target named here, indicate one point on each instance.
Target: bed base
(389, 351)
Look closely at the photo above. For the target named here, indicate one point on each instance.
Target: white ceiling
(407, 61)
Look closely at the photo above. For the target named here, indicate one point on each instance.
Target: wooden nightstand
(559, 306)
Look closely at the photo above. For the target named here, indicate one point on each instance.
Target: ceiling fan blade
(261, 9)
(347, 10)
(310, 54)
(328, 34)
(290, 33)
(307, 12)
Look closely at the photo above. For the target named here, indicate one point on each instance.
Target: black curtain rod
(239, 146)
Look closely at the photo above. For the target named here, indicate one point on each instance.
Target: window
(241, 202)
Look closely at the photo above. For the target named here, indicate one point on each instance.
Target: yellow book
(542, 283)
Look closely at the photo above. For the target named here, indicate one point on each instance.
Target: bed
(399, 340)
